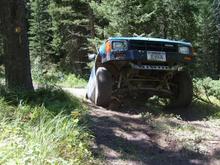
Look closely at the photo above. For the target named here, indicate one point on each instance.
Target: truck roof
(151, 39)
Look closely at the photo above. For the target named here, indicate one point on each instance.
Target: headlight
(184, 50)
(119, 45)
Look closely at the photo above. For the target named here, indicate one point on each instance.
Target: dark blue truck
(138, 64)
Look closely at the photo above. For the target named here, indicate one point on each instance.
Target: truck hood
(152, 39)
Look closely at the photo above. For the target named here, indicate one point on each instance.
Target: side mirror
(91, 57)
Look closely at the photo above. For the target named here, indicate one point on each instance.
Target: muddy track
(123, 137)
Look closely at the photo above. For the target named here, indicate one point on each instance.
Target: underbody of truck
(151, 66)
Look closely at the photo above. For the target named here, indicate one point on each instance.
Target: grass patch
(58, 78)
(43, 127)
(72, 80)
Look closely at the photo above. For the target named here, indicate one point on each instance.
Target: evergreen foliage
(1, 50)
(207, 40)
(70, 29)
(40, 34)
(216, 6)
(63, 32)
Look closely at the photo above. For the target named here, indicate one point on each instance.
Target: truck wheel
(103, 89)
(183, 90)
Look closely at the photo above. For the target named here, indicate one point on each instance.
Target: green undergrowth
(57, 78)
(71, 80)
(47, 126)
(207, 87)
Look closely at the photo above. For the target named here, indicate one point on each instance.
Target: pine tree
(123, 17)
(167, 19)
(71, 28)
(175, 19)
(40, 34)
(207, 40)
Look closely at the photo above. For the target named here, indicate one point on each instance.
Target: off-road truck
(138, 64)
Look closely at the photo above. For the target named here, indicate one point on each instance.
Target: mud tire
(103, 89)
(183, 92)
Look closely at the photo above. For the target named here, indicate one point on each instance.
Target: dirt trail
(122, 137)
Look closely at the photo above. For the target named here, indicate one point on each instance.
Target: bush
(207, 87)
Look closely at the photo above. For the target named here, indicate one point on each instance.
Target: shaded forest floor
(136, 132)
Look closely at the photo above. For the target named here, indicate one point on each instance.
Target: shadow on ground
(197, 111)
(54, 99)
(122, 137)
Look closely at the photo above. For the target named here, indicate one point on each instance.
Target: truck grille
(153, 46)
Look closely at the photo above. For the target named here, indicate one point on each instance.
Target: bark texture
(16, 49)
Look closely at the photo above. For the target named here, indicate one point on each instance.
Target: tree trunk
(16, 48)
